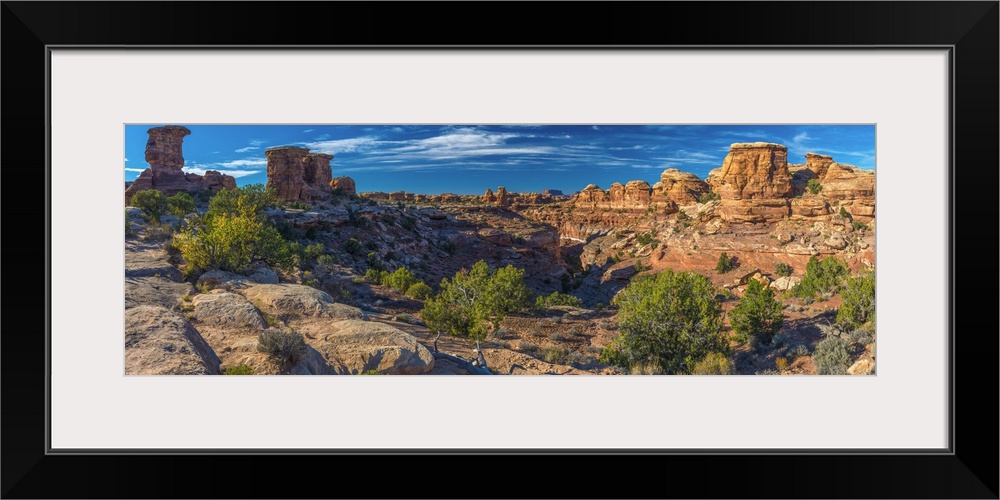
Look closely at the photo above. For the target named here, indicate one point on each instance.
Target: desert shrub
(313, 251)
(821, 276)
(670, 319)
(181, 204)
(714, 363)
(419, 291)
(502, 333)
(769, 371)
(797, 351)
(408, 223)
(553, 354)
(724, 264)
(352, 247)
(474, 301)
(559, 336)
(527, 347)
(845, 214)
(232, 242)
(282, 347)
(557, 299)
(238, 370)
(781, 364)
(782, 269)
(388, 218)
(579, 358)
(151, 202)
(862, 335)
(814, 186)
(376, 275)
(709, 196)
(250, 200)
(645, 238)
(326, 260)
(370, 372)
(859, 226)
(758, 314)
(831, 356)
(647, 368)
(447, 246)
(640, 267)
(400, 280)
(858, 305)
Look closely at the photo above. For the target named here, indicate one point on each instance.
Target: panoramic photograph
(593, 249)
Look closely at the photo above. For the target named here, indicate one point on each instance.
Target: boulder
(264, 276)
(162, 342)
(226, 309)
(785, 283)
(298, 300)
(345, 185)
(155, 291)
(361, 346)
(682, 188)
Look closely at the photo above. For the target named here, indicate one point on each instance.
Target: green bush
(238, 370)
(181, 204)
(860, 226)
(814, 186)
(557, 299)
(858, 307)
(725, 264)
(782, 269)
(419, 291)
(232, 243)
(831, 357)
(709, 196)
(313, 251)
(554, 354)
(669, 319)
(400, 280)
(376, 275)
(646, 238)
(250, 200)
(282, 347)
(408, 223)
(151, 202)
(821, 277)
(352, 246)
(714, 363)
(757, 316)
(845, 214)
(473, 302)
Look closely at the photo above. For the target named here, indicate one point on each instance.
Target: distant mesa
(166, 161)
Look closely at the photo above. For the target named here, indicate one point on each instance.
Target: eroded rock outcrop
(298, 175)
(345, 185)
(682, 188)
(166, 167)
(755, 170)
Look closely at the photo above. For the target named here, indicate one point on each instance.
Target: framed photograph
(775, 147)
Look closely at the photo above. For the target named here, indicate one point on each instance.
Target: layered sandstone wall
(298, 175)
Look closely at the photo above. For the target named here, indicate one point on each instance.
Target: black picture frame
(969, 470)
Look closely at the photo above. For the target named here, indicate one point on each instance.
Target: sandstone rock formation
(682, 188)
(298, 175)
(161, 342)
(757, 170)
(166, 161)
(818, 163)
(345, 185)
(502, 199)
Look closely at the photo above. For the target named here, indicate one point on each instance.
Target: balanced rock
(166, 162)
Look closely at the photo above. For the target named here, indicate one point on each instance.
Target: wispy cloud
(322, 137)
(338, 146)
(306, 131)
(248, 148)
(135, 169)
(256, 142)
(126, 159)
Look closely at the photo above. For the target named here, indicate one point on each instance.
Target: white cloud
(337, 146)
(234, 173)
(246, 162)
(248, 148)
(322, 137)
(256, 142)
(802, 137)
(306, 131)
(135, 170)
(126, 159)
(595, 127)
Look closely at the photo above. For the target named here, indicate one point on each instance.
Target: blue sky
(467, 159)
